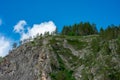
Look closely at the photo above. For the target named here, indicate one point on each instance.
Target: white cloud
(39, 29)
(36, 29)
(19, 27)
(0, 22)
(4, 46)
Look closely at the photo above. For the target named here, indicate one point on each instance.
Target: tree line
(111, 32)
(80, 29)
(86, 28)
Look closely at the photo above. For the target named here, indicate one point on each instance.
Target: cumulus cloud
(4, 46)
(36, 29)
(19, 27)
(39, 29)
(0, 22)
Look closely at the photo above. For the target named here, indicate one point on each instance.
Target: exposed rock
(53, 58)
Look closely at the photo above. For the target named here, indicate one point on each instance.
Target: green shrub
(106, 48)
(61, 72)
(77, 44)
(95, 45)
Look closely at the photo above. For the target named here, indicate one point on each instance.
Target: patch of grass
(95, 45)
(60, 72)
(68, 55)
(85, 75)
(114, 74)
(77, 44)
(53, 64)
(63, 73)
(33, 43)
(53, 41)
(73, 37)
(106, 48)
(65, 52)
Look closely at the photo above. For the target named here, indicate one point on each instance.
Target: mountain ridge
(63, 58)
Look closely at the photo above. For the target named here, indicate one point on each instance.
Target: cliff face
(30, 61)
(63, 58)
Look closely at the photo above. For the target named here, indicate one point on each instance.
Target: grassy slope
(100, 62)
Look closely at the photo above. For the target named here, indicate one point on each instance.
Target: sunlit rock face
(62, 58)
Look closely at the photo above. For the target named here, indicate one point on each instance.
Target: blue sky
(62, 12)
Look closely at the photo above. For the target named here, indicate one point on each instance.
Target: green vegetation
(106, 48)
(33, 43)
(95, 44)
(73, 37)
(68, 55)
(83, 29)
(77, 44)
(37, 41)
(98, 52)
(61, 72)
(80, 29)
(111, 32)
(62, 75)
(98, 61)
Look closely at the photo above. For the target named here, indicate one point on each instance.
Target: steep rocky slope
(63, 58)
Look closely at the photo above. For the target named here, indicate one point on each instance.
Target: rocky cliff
(63, 58)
